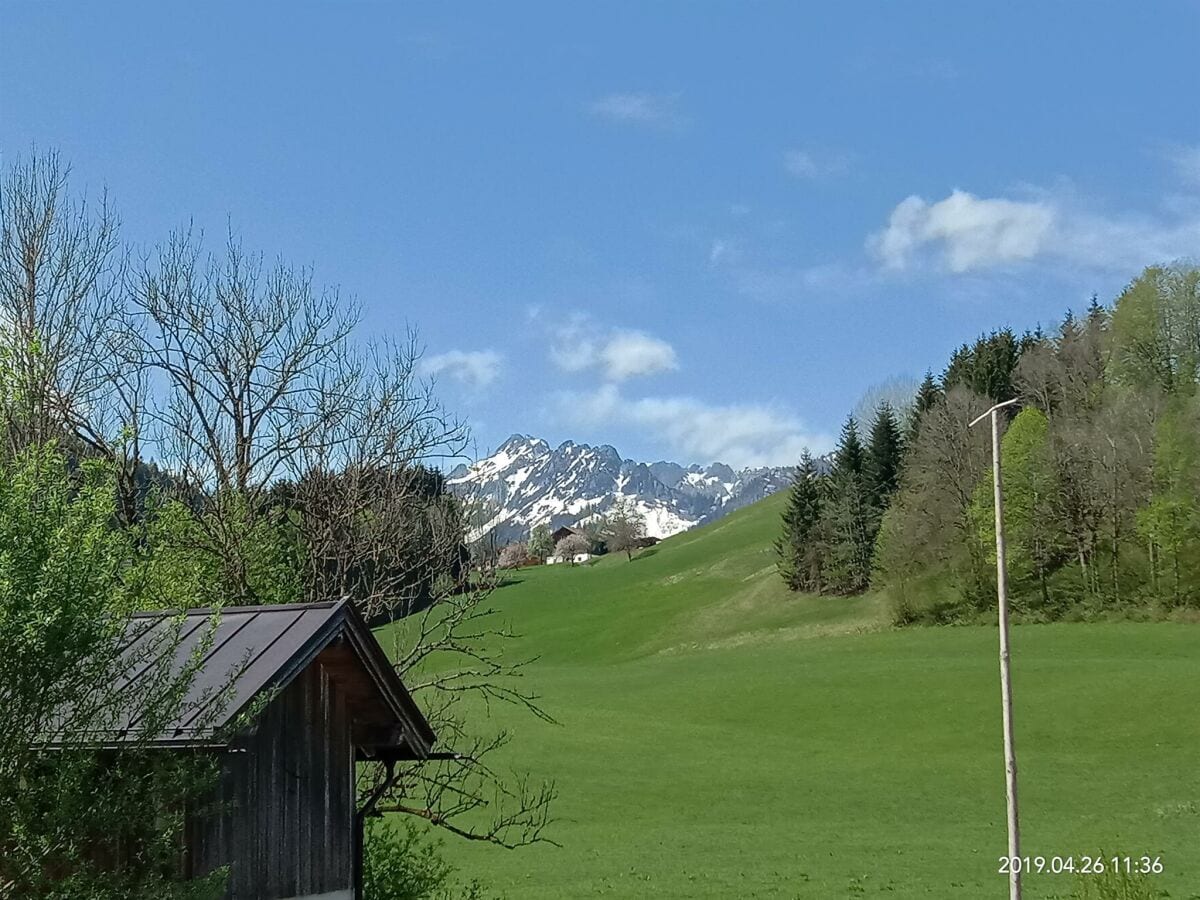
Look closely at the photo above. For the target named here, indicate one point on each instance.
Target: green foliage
(1035, 544)
(177, 563)
(1170, 521)
(541, 544)
(988, 366)
(799, 548)
(849, 516)
(1117, 885)
(69, 579)
(928, 394)
(884, 457)
(830, 527)
(401, 861)
(1156, 329)
(1101, 468)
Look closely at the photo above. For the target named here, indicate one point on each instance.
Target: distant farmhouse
(287, 825)
(560, 534)
(563, 532)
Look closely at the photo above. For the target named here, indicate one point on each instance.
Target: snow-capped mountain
(527, 483)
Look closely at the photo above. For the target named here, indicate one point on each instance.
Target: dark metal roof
(239, 652)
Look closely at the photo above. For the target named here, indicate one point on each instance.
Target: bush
(1116, 886)
(402, 862)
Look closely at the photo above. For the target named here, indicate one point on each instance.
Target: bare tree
(622, 528)
(293, 433)
(67, 371)
(933, 507)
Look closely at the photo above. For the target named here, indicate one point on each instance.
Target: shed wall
(285, 825)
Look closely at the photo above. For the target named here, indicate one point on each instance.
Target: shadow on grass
(504, 581)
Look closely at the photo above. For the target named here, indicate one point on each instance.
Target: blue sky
(693, 231)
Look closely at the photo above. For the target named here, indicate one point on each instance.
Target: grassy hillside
(711, 587)
(722, 738)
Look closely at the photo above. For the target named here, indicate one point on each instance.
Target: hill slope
(720, 737)
(713, 586)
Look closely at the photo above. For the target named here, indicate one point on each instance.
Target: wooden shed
(288, 825)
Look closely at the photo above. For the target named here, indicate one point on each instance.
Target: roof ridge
(209, 610)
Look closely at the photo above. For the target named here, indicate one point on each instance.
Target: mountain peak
(525, 483)
(516, 443)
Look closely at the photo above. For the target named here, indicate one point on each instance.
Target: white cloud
(967, 233)
(639, 108)
(812, 166)
(972, 232)
(631, 353)
(738, 434)
(619, 355)
(472, 368)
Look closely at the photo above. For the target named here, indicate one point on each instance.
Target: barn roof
(240, 652)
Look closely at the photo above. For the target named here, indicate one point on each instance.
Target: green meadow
(720, 737)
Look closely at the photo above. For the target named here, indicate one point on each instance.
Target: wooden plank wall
(286, 825)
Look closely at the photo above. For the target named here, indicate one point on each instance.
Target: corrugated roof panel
(249, 649)
(197, 633)
(254, 652)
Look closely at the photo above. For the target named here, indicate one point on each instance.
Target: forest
(1101, 461)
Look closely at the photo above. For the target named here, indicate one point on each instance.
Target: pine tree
(849, 457)
(885, 451)
(798, 547)
(988, 366)
(848, 515)
(928, 395)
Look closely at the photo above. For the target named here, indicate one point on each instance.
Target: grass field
(722, 738)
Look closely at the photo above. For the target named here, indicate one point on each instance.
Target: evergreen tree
(989, 365)
(849, 458)
(885, 451)
(799, 547)
(849, 516)
(928, 395)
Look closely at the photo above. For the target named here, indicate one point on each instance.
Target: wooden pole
(1010, 752)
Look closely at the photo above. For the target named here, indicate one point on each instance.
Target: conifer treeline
(1102, 473)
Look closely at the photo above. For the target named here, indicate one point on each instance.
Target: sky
(696, 232)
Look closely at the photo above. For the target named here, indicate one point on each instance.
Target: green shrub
(401, 861)
(1113, 885)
